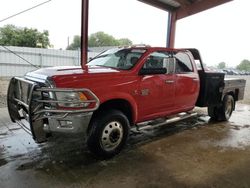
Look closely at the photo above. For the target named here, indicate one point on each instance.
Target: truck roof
(147, 47)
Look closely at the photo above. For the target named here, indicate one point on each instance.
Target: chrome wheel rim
(112, 135)
(228, 108)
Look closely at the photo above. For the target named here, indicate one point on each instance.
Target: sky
(222, 34)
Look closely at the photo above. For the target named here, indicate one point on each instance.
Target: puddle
(237, 137)
(237, 133)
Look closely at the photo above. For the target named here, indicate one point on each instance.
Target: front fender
(122, 96)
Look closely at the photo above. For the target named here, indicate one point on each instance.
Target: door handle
(195, 79)
(169, 81)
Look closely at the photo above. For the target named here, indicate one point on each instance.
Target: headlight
(72, 99)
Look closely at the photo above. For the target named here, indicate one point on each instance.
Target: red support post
(84, 33)
(171, 29)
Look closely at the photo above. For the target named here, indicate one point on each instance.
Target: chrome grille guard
(28, 106)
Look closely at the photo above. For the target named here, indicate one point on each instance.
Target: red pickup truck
(120, 89)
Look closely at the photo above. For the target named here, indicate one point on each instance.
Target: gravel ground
(5, 81)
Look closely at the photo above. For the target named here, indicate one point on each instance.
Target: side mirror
(152, 71)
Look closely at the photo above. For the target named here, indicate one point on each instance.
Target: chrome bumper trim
(79, 124)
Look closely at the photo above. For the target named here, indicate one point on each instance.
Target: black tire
(108, 133)
(224, 111)
(213, 112)
(227, 108)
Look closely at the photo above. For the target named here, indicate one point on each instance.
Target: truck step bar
(164, 121)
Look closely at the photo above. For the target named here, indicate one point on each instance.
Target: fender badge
(144, 92)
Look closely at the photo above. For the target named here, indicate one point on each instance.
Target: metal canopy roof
(177, 9)
(184, 8)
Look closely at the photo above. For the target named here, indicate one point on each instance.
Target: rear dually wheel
(224, 111)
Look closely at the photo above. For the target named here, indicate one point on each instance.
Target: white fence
(14, 61)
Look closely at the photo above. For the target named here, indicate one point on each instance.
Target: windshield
(124, 59)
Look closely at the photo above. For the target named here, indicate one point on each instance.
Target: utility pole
(68, 43)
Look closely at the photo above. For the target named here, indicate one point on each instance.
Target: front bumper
(33, 105)
(74, 123)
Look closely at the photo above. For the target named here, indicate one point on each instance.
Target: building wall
(13, 62)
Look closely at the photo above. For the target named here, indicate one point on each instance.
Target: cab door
(187, 82)
(156, 91)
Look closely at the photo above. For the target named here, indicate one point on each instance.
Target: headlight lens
(72, 99)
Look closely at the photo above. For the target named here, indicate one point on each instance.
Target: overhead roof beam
(184, 8)
(159, 4)
(198, 6)
(184, 2)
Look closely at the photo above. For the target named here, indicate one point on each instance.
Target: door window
(183, 63)
(160, 60)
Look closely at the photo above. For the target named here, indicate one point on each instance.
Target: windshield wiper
(108, 66)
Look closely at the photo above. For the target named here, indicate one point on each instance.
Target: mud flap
(22, 106)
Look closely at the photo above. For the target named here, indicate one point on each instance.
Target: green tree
(124, 42)
(99, 39)
(76, 44)
(102, 39)
(221, 65)
(244, 65)
(11, 35)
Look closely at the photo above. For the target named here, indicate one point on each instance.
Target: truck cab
(119, 89)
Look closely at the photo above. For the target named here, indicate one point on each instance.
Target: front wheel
(108, 133)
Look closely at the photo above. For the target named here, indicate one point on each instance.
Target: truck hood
(75, 76)
(44, 73)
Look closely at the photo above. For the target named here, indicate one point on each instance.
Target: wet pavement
(191, 153)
